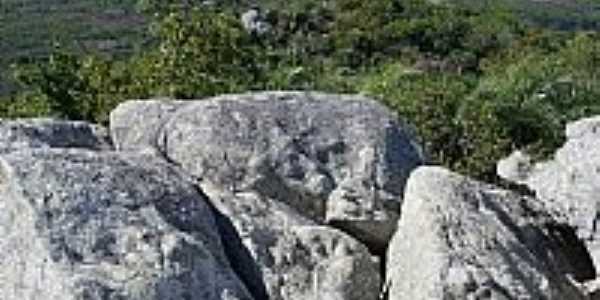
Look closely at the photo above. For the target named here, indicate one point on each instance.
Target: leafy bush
(535, 96)
(469, 123)
(476, 84)
(433, 103)
(200, 53)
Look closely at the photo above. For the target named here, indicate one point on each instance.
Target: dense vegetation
(476, 82)
(28, 28)
(556, 14)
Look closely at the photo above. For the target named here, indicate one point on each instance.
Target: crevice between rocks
(377, 250)
(240, 259)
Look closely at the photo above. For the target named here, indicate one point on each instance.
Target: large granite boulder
(461, 239)
(336, 158)
(49, 133)
(570, 182)
(86, 225)
(282, 255)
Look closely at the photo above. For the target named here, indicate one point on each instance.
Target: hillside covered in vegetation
(555, 14)
(30, 28)
(476, 81)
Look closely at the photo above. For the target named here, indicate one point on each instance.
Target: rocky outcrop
(338, 159)
(277, 166)
(570, 182)
(461, 239)
(295, 258)
(48, 133)
(77, 224)
(280, 196)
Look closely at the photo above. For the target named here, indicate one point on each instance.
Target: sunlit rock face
(79, 224)
(570, 181)
(462, 239)
(339, 159)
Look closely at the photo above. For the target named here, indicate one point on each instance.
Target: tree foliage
(475, 83)
(200, 53)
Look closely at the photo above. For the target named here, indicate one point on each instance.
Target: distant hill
(555, 14)
(29, 27)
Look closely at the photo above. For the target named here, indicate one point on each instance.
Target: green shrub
(432, 103)
(469, 124)
(200, 53)
(535, 96)
(23, 106)
(508, 86)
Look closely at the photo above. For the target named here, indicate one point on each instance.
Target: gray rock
(336, 158)
(592, 289)
(296, 258)
(461, 239)
(136, 124)
(515, 168)
(48, 133)
(318, 262)
(78, 224)
(571, 181)
(254, 22)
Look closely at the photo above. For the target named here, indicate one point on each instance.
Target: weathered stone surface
(515, 168)
(337, 158)
(136, 125)
(319, 262)
(83, 225)
(48, 133)
(571, 181)
(460, 239)
(296, 258)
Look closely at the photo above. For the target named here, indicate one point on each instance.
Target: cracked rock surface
(339, 159)
(83, 225)
(461, 239)
(570, 181)
(283, 196)
(296, 258)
